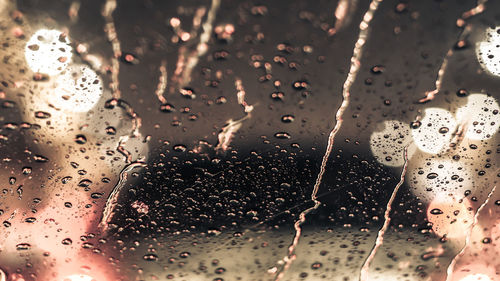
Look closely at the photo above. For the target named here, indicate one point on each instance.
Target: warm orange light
(450, 216)
(78, 277)
(476, 277)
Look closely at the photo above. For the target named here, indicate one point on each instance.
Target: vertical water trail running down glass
(363, 274)
(364, 27)
(107, 13)
(479, 8)
(451, 266)
(112, 200)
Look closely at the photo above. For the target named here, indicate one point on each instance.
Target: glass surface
(249, 140)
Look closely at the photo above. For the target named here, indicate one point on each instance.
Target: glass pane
(249, 140)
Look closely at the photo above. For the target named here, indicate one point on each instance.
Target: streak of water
(343, 14)
(107, 13)
(363, 275)
(451, 266)
(351, 77)
(73, 10)
(226, 134)
(162, 82)
(112, 201)
(479, 8)
(122, 150)
(202, 47)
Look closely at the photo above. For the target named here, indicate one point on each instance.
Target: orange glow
(475, 272)
(476, 277)
(450, 216)
(78, 277)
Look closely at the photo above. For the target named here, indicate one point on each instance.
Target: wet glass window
(249, 140)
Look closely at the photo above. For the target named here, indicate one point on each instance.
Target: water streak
(162, 82)
(73, 10)
(107, 13)
(202, 47)
(451, 266)
(479, 8)
(343, 14)
(226, 134)
(112, 200)
(363, 275)
(351, 77)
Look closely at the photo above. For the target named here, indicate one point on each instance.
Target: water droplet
(184, 255)
(443, 130)
(67, 241)
(30, 220)
(287, 118)
(80, 139)
(167, 108)
(66, 179)
(42, 115)
(462, 93)
(316, 265)
(282, 135)
(23, 246)
(436, 211)
(377, 69)
(432, 176)
(85, 183)
(150, 257)
(27, 170)
(188, 93)
(40, 158)
(96, 195)
(179, 148)
(110, 130)
(415, 124)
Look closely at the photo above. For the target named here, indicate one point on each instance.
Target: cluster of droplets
(437, 131)
(488, 51)
(77, 87)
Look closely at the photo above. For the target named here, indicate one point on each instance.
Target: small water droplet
(436, 211)
(67, 241)
(42, 115)
(432, 176)
(150, 257)
(23, 246)
(287, 118)
(80, 139)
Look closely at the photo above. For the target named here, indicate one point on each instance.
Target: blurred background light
(388, 141)
(78, 89)
(48, 51)
(480, 116)
(435, 131)
(488, 51)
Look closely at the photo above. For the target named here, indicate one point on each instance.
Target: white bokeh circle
(436, 130)
(78, 88)
(481, 116)
(48, 51)
(388, 144)
(488, 51)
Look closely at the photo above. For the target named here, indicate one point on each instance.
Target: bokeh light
(476, 277)
(48, 51)
(435, 131)
(389, 141)
(480, 116)
(450, 216)
(488, 51)
(78, 277)
(78, 89)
